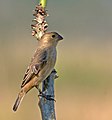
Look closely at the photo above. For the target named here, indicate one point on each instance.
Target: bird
(41, 65)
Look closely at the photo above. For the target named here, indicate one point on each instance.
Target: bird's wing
(37, 63)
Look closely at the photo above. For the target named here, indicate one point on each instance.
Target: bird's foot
(47, 97)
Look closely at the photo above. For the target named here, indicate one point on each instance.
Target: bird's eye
(53, 36)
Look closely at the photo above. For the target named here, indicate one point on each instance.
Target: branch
(47, 106)
(39, 27)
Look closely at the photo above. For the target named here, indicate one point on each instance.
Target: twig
(47, 106)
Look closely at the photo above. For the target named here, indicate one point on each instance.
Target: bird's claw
(47, 97)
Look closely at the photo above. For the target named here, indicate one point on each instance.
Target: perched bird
(41, 65)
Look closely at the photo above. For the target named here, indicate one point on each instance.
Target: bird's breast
(51, 60)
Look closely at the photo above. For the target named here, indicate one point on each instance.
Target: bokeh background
(84, 65)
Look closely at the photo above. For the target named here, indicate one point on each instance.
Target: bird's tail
(23, 92)
(18, 100)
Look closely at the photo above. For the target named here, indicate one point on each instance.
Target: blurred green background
(84, 65)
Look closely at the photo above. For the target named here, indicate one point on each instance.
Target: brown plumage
(41, 64)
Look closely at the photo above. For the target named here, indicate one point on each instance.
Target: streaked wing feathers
(37, 63)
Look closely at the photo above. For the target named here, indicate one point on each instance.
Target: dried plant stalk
(39, 27)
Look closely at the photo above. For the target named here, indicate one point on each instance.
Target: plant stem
(47, 107)
(43, 3)
(39, 28)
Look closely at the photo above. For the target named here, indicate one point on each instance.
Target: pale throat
(48, 43)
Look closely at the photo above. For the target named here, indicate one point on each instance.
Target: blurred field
(84, 65)
(83, 89)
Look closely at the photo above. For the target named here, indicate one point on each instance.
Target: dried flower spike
(40, 26)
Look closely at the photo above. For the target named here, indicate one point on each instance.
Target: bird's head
(51, 38)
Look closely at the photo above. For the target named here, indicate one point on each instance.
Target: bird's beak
(60, 37)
